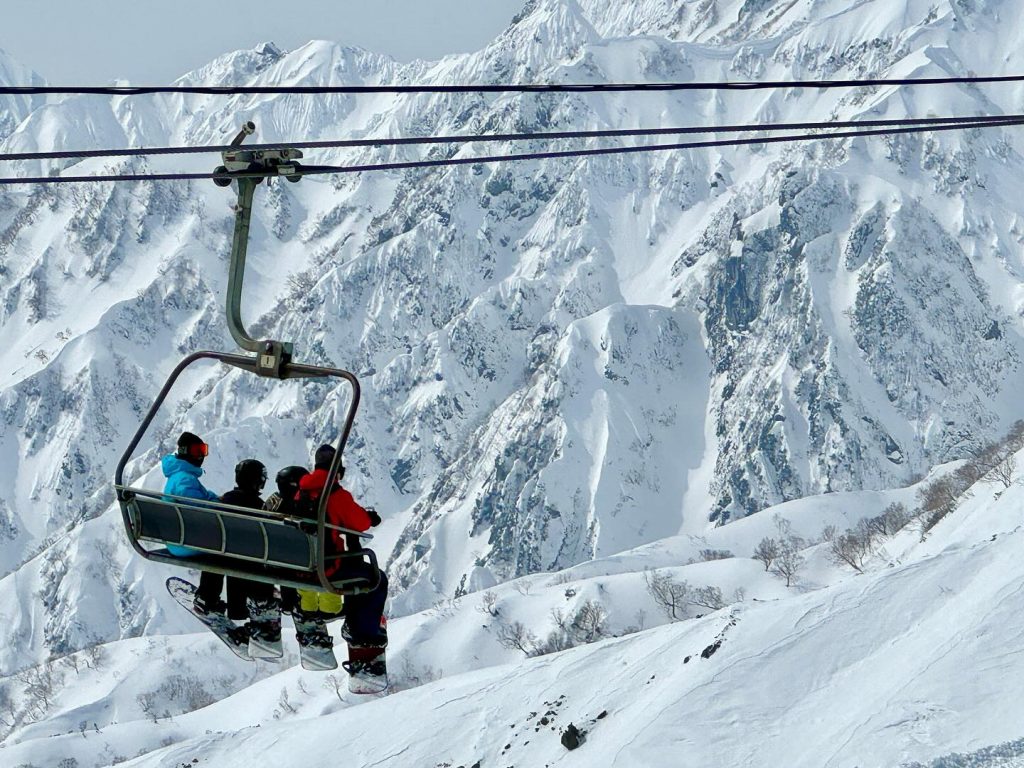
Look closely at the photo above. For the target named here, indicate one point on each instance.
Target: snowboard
(184, 593)
(265, 649)
(367, 665)
(317, 659)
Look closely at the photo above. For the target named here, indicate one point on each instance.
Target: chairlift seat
(234, 540)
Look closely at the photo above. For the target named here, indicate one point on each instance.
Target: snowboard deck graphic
(184, 592)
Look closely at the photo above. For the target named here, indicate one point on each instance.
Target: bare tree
(850, 548)
(783, 526)
(708, 597)
(187, 690)
(489, 604)
(40, 685)
(147, 703)
(972, 471)
(300, 284)
(516, 636)
(95, 656)
(670, 595)
(588, 623)
(1015, 437)
(707, 555)
(334, 683)
(941, 495)
(8, 711)
(523, 587)
(892, 520)
(1004, 471)
(640, 619)
(284, 703)
(790, 559)
(767, 551)
(72, 661)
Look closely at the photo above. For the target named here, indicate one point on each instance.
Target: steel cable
(502, 137)
(1008, 121)
(130, 90)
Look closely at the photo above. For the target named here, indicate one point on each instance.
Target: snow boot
(209, 607)
(376, 640)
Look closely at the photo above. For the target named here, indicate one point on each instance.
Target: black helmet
(250, 473)
(323, 457)
(288, 480)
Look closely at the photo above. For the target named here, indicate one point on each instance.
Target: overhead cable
(552, 154)
(238, 90)
(507, 137)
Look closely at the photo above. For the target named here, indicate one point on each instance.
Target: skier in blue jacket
(183, 468)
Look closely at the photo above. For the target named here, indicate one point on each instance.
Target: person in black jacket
(282, 502)
(253, 600)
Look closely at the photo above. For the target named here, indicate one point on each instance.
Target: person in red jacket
(363, 613)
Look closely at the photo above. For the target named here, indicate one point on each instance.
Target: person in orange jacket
(364, 624)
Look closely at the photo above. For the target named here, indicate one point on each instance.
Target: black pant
(363, 612)
(289, 599)
(239, 591)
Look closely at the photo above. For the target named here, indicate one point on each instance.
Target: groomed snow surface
(909, 663)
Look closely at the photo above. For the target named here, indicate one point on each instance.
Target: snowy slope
(882, 669)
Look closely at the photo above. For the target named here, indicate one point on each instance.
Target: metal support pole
(236, 267)
(271, 355)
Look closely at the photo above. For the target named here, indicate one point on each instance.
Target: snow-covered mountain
(561, 360)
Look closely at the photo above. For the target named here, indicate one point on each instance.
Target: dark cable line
(329, 169)
(500, 137)
(128, 90)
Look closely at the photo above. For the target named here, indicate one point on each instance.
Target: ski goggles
(194, 451)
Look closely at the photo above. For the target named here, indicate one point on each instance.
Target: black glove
(307, 526)
(374, 517)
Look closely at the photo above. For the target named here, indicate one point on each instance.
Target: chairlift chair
(237, 541)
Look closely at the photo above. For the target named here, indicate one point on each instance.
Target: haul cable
(299, 170)
(509, 137)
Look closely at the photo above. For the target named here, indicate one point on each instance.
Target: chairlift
(237, 541)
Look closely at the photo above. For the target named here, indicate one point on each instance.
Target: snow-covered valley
(580, 376)
(915, 658)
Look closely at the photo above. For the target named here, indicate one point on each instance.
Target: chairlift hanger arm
(271, 354)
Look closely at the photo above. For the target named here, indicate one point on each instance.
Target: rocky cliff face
(561, 359)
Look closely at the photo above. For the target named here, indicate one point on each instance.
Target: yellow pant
(325, 602)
